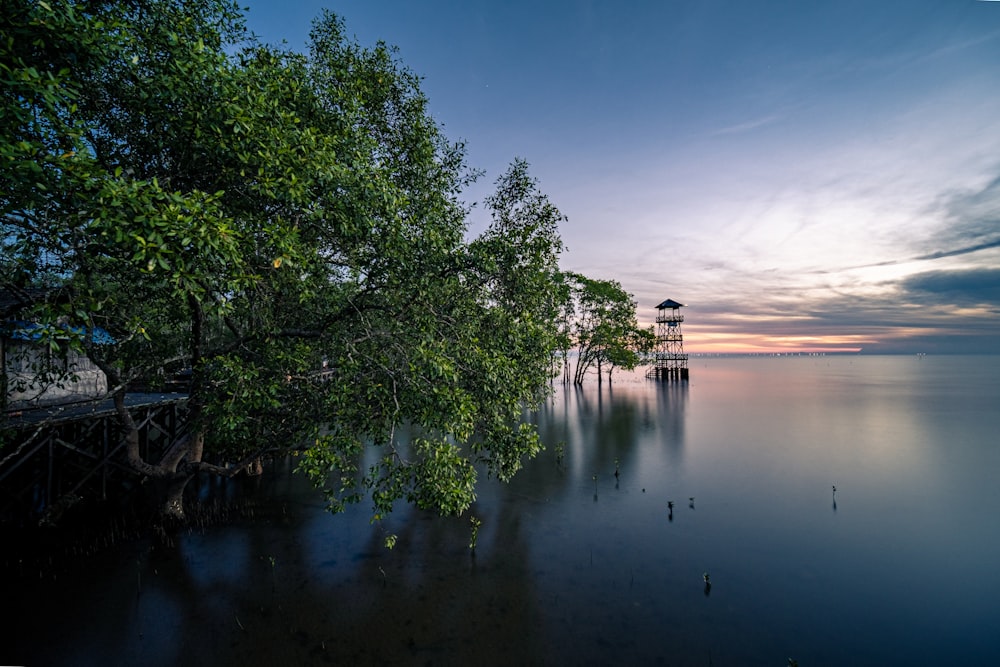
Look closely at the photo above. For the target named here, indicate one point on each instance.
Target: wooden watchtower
(671, 363)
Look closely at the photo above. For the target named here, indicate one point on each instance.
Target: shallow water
(574, 565)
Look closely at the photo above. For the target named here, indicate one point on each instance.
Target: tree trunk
(173, 502)
(189, 449)
(186, 450)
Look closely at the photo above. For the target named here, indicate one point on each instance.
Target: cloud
(972, 287)
(972, 216)
(968, 223)
(746, 126)
(960, 251)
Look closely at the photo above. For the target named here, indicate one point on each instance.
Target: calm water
(899, 566)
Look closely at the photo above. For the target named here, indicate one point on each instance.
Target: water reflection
(608, 428)
(576, 564)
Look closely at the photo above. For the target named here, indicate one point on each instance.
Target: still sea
(827, 510)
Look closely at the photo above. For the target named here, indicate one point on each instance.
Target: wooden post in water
(671, 363)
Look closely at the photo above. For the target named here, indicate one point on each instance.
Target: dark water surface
(575, 566)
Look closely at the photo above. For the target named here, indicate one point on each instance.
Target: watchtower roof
(669, 303)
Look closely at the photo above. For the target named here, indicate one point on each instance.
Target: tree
(599, 318)
(287, 227)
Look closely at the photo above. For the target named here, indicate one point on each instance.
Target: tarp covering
(29, 331)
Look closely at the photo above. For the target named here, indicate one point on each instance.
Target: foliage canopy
(287, 227)
(598, 321)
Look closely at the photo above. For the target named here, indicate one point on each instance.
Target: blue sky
(804, 175)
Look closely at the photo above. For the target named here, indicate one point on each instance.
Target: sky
(803, 175)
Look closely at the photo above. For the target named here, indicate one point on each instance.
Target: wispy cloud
(959, 251)
(746, 126)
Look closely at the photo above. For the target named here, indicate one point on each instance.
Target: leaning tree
(287, 228)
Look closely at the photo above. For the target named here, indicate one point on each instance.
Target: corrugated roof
(669, 303)
(14, 299)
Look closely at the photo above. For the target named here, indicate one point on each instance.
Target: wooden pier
(51, 457)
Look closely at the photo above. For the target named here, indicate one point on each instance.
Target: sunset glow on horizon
(710, 342)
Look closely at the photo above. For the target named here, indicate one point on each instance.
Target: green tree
(599, 319)
(288, 227)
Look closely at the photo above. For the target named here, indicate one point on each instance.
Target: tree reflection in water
(560, 579)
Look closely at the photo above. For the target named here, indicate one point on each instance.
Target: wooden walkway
(54, 456)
